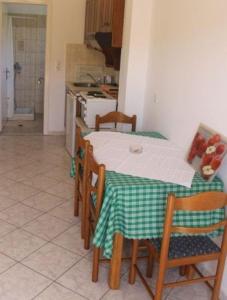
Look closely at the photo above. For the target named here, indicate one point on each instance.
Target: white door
(4, 72)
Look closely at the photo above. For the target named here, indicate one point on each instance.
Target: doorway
(23, 50)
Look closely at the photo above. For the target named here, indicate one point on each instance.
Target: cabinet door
(118, 22)
(105, 15)
(90, 18)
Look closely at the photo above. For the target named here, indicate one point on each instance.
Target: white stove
(95, 103)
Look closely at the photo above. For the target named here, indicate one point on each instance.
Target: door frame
(48, 4)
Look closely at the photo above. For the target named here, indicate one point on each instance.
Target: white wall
(187, 75)
(65, 25)
(135, 55)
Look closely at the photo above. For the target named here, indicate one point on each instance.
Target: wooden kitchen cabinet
(90, 18)
(105, 16)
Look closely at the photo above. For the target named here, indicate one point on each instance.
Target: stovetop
(95, 95)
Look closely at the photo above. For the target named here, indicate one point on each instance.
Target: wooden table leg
(182, 270)
(115, 264)
(190, 272)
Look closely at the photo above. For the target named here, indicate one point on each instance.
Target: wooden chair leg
(86, 227)
(132, 273)
(76, 197)
(82, 218)
(160, 282)
(150, 265)
(218, 280)
(95, 270)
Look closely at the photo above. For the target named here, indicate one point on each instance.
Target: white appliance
(96, 103)
(70, 126)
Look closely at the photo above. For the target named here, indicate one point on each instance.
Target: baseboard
(55, 133)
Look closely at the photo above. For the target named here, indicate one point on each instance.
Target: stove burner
(96, 94)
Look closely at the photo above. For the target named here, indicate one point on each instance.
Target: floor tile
(195, 291)
(60, 174)
(58, 292)
(18, 191)
(71, 240)
(6, 228)
(78, 279)
(40, 182)
(6, 202)
(43, 201)
(65, 212)
(19, 214)
(21, 283)
(17, 174)
(62, 189)
(51, 260)
(128, 292)
(47, 227)
(4, 182)
(19, 244)
(5, 262)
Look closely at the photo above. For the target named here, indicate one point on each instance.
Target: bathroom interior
(25, 40)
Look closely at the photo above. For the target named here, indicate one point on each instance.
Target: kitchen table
(134, 208)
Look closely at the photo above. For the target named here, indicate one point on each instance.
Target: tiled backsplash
(29, 33)
(81, 60)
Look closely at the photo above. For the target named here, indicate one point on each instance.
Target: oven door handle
(81, 100)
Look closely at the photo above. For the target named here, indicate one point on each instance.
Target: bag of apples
(207, 152)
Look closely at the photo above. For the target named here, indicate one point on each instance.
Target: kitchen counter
(104, 88)
(76, 89)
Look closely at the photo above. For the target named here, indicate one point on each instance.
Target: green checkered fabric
(135, 206)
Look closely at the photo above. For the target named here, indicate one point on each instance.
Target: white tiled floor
(41, 252)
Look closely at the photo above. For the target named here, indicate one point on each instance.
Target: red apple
(214, 139)
(206, 159)
(216, 162)
(220, 149)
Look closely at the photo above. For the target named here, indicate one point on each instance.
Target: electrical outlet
(155, 98)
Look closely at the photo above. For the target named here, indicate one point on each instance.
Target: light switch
(58, 65)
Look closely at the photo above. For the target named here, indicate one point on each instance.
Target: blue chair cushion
(185, 246)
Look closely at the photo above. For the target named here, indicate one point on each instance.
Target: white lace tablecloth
(160, 159)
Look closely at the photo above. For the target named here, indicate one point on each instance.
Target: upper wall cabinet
(106, 16)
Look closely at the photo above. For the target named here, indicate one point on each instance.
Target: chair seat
(186, 246)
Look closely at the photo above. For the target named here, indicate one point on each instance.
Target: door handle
(7, 71)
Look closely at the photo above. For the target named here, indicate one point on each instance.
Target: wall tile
(30, 32)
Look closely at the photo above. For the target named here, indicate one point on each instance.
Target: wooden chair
(186, 250)
(115, 117)
(80, 172)
(95, 177)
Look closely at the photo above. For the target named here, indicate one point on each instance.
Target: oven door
(82, 107)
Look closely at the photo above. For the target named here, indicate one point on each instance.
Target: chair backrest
(82, 147)
(115, 117)
(206, 201)
(95, 178)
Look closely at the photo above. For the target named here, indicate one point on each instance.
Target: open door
(4, 71)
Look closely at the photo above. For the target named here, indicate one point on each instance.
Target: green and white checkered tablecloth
(135, 207)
